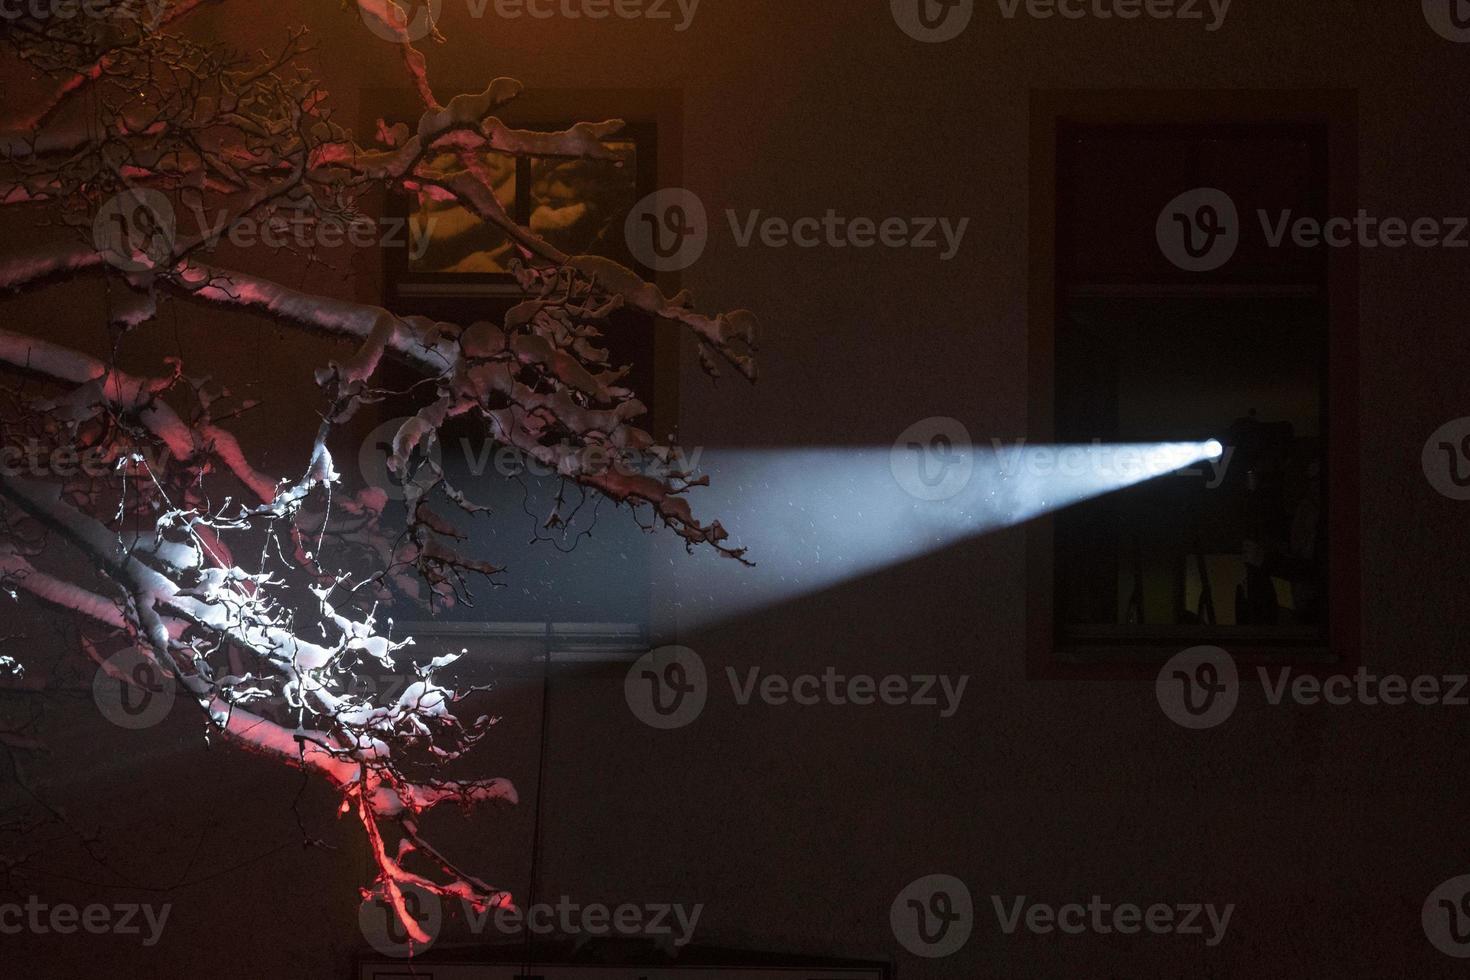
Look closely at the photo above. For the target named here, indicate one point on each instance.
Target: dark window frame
(1051, 113)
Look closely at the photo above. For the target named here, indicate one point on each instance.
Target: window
(460, 275)
(1167, 309)
(579, 206)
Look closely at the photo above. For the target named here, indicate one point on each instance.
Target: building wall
(1325, 826)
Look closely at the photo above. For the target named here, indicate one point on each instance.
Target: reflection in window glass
(449, 238)
(580, 205)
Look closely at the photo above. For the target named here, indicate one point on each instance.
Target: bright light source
(813, 518)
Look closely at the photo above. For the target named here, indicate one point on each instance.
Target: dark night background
(796, 827)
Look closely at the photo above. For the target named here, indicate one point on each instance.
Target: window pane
(448, 238)
(580, 205)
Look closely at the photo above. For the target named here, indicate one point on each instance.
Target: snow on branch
(264, 597)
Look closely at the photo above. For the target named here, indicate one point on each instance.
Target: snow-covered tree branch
(261, 595)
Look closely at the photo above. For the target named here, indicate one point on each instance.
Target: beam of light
(813, 518)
